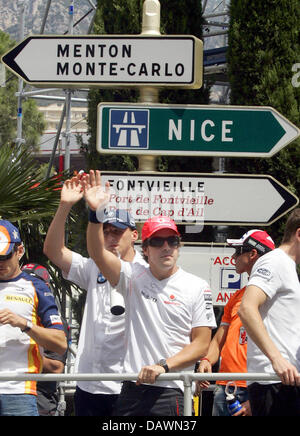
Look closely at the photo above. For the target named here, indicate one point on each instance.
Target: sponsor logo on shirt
(149, 297)
(172, 300)
(243, 336)
(101, 279)
(19, 299)
(55, 319)
(209, 315)
(208, 304)
(207, 297)
(264, 272)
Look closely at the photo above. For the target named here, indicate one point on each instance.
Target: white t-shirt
(101, 346)
(275, 273)
(160, 315)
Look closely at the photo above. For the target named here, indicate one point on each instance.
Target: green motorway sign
(192, 130)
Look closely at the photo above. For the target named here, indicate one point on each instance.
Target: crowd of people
(145, 315)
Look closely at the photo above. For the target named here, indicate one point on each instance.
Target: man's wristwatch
(163, 363)
(28, 327)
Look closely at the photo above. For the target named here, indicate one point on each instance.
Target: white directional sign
(108, 60)
(200, 198)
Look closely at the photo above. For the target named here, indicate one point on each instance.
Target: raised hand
(96, 196)
(71, 191)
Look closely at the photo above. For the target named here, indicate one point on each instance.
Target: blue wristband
(93, 217)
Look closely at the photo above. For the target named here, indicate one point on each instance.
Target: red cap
(153, 225)
(258, 239)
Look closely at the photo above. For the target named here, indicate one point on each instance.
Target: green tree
(264, 44)
(30, 201)
(33, 120)
(24, 195)
(120, 17)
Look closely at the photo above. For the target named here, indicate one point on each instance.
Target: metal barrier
(186, 377)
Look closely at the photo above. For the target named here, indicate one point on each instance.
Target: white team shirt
(275, 273)
(160, 315)
(101, 346)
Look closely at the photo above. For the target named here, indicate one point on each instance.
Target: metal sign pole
(68, 100)
(150, 27)
(19, 139)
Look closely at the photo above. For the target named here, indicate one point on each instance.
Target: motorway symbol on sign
(129, 129)
(193, 130)
(201, 198)
(108, 60)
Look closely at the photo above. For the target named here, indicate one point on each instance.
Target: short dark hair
(292, 224)
(145, 244)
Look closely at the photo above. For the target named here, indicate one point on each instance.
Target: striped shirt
(29, 297)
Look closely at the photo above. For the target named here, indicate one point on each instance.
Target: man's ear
(20, 251)
(134, 235)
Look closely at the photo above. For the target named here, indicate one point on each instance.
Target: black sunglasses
(157, 241)
(10, 255)
(6, 256)
(241, 250)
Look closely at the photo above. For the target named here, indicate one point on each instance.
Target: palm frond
(24, 195)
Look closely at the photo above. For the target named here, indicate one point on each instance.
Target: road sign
(200, 198)
(108, 60)
(192, 130)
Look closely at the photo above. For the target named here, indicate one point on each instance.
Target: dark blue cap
(120, 218)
